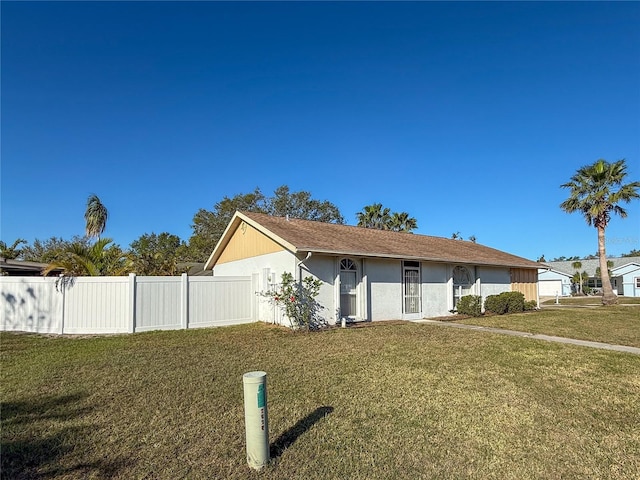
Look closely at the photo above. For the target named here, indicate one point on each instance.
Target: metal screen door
(411, 289)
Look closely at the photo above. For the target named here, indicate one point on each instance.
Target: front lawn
(618, 324)
(391, 401)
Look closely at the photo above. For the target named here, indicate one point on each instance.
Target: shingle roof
(590, 265)
(318, 237)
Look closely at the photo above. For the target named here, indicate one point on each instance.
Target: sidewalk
(537, 336)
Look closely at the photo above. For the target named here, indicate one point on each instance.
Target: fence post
(184, 301)
(63, 288)
(132, 303)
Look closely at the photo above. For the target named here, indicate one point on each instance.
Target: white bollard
(255, 418)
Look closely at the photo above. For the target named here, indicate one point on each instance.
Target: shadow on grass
(286, 439)
(37, 443)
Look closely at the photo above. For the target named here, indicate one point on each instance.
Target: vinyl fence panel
(96, 305)
(31, 304)
(158, 301)
(220, 301)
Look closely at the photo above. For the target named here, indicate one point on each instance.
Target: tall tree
(209, 225)
(577, 266)
(597, 191)
(153, 254)
(374, 216)
(301, 205)
(46, 251)
(402, 222)
(95, 216)
(12, 251)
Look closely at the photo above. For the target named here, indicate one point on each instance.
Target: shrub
(298, 301)
(506, 302)
(470, 305)
(530, 305)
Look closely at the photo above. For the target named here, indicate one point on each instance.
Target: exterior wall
(247, 242)
(385, 288)
(269, 269)
(323, 268)
(493, 281)
(436, 289)
(626, 279)
(525, 281)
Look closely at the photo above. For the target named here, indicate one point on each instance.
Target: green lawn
(619, 324)
(595, 300)
(391, 401)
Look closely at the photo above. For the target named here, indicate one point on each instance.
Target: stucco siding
(385, 281)
(493, 281)
(435, 289)
(323, 268)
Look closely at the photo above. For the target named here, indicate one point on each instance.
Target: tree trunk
(608, 297)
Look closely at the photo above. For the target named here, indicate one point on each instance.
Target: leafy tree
(153, 254)
(473, 239)
(301, 205)
(541, 258)
(632, 253)
(47, 251)
(98, 259)
(209, 225)
(596, 191)
(95, 216)
(12, 251)
(378, 217)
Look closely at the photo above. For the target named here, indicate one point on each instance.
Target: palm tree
(577, 278)
(596, 191)
(79, 259)
(95, 216)
(374, 216)
(401, 222)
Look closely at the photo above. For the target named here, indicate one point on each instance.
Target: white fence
(89, 305)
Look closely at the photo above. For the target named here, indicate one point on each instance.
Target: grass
(618, 324)
(396, 401)
(593, 301)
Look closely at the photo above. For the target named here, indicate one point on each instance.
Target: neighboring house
(368, 274)
(553, 283)
(627, 279)
(21, 268)
(625, 273)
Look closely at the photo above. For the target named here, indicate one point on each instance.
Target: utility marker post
(255, 418)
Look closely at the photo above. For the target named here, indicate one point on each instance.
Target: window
(462, 284)
(637, 279)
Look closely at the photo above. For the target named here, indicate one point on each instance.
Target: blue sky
(466, 115)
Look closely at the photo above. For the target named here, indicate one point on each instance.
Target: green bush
(506, 302)
(470, 305)
(530, 305)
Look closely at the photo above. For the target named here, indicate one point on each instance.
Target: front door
(411, 285)
(348, 283)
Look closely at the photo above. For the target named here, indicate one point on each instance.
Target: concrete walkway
(537, 336)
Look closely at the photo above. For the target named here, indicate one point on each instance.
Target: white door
(348, 288)
(549, 288)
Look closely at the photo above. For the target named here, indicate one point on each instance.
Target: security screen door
(411, 287)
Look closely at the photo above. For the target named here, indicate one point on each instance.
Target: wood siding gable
(247, 242)
(525, 281)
